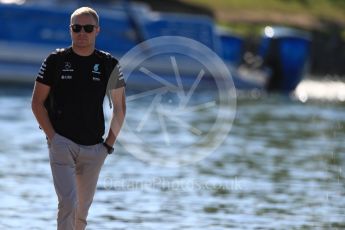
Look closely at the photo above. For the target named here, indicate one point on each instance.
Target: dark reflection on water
(281, 167)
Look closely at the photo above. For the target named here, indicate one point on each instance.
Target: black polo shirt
(78, 87)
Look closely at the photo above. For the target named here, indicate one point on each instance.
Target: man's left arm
(118, 98)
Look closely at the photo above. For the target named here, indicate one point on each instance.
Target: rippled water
(280, 167)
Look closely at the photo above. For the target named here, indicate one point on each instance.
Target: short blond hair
(85, 11)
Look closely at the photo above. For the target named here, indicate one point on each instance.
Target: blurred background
(322, 18)
(281, 165)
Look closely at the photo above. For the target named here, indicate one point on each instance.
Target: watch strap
(109, 148)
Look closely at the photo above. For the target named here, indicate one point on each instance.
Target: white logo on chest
(66, 77)
(96, 69)
(67, 71)
(68, 67)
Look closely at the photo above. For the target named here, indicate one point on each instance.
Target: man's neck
(83, 51)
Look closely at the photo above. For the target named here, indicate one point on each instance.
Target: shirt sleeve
(46, 72)
(116, 79)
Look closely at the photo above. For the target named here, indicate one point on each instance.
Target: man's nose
(82, 30)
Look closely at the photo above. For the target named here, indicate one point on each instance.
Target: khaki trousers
(75, 169)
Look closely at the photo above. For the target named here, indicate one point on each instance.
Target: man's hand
(40, 94)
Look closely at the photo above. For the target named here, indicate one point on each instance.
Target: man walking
(67, 102)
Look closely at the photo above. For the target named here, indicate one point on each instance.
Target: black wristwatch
(110, 149)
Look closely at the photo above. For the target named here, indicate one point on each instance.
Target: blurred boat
(32, 30)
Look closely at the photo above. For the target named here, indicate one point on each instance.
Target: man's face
(83, 39)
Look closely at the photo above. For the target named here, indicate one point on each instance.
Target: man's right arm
(40, 94)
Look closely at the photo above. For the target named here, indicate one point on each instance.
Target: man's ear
(98, 30)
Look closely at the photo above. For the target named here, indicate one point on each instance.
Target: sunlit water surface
(280, 167)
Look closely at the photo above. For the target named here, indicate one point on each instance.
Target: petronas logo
(96, 69)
